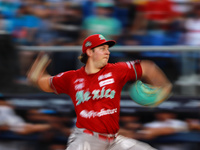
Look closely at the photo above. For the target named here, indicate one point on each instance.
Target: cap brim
(110, 43)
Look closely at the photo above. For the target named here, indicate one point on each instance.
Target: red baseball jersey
(96, 97)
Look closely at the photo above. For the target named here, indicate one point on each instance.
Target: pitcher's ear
(89, 51)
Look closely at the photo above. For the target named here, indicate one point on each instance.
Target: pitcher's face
(101, 55)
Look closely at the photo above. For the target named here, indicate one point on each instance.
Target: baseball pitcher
(95, 90)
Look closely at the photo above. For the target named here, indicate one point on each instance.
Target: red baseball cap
(96, 40)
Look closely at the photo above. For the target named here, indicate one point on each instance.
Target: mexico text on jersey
(96, 97)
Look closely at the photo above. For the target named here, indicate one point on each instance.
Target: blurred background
(165, 31)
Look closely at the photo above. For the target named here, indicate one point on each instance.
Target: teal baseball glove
(147, 95)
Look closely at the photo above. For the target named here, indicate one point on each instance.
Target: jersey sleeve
(61, 83)
(130, 70)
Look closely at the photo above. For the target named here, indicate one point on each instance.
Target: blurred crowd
(129, 22)
(38, 128)
(47, 129)
(69, 22)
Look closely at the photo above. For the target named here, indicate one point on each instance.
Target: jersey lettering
(93, 114)
(96, 94)
(101, 77)
(82, 96)
(106, 82)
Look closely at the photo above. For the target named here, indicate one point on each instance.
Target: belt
(106, 137)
